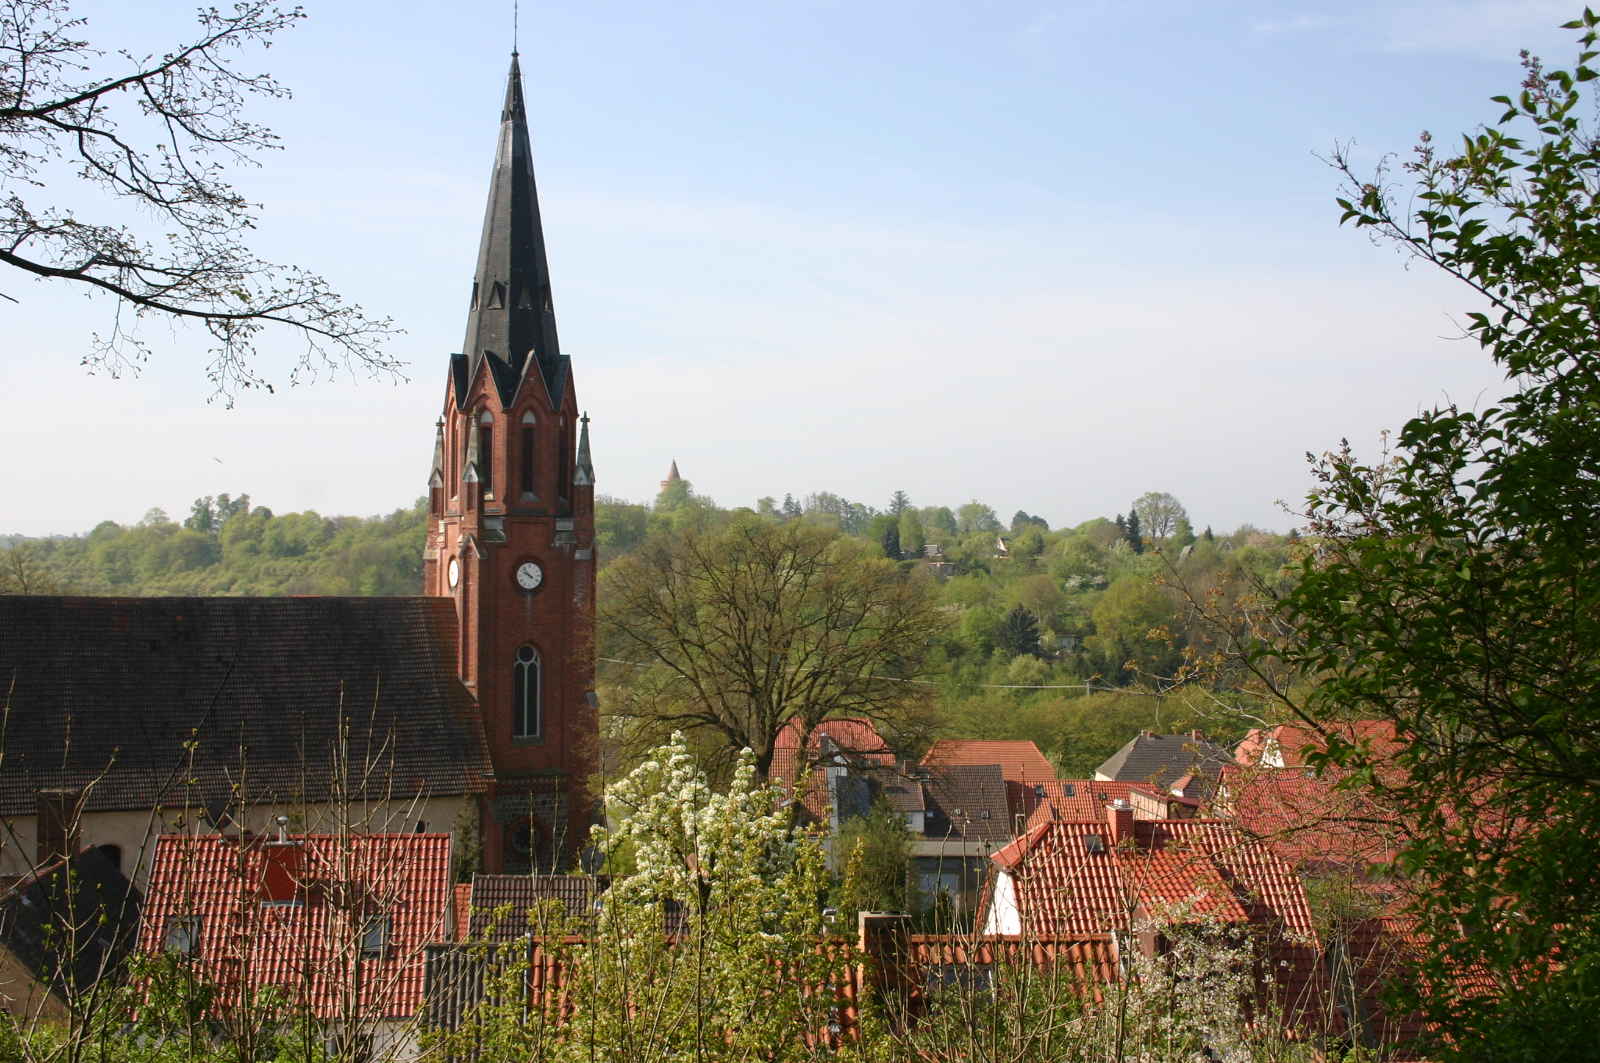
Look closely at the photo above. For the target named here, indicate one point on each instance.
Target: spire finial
(514, 29)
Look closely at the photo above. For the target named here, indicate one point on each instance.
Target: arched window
(486, 451)
(527, 705)
(527, 456)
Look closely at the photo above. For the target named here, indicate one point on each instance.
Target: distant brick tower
(511, 496)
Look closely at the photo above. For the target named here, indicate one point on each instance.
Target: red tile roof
(851, 735)
(1293, 741)
(1020, 762)
(308, 947)
(1307, 819)
(1066, 888)
(1076, 800)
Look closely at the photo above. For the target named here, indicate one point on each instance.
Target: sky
(1049, 256)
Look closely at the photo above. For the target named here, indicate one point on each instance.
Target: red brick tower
(511, 496)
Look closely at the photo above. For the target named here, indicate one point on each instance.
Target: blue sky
(1050, 256)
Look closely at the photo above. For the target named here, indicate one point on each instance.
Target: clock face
(454, 572)
(529, 575)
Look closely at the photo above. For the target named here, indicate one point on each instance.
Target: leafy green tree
(1135, 532)
(939, 523)
(619, 526)
(890, 540)
(1132, 629)
(1021, 520)
(873, 854)
(976, 517)
(1018, 633)
(1158, 514)
(1455, 586)
(912, 538)
(202, 516)
(751, 626)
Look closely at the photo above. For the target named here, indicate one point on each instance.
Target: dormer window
(183, 935)
(375, 937)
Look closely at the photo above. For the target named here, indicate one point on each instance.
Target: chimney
(1119, 822)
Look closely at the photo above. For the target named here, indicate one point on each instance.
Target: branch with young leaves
(159, 136)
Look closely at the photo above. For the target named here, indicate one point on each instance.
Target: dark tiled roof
(71, 923)
(1163, 759)
(967, 802)
(523, 893)
(113, 688)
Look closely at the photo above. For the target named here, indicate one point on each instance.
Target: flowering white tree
(714, 944)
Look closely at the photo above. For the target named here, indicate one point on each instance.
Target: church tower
(511, 536)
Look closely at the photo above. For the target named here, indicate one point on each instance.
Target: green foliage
(755, 624)
(1455, 585)
(1018, 633)
(873, 853)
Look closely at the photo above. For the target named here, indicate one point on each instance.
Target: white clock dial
(454, 572)
(529, 575)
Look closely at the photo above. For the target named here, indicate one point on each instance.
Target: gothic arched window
(527, 703)
(486, 451)
(527, 456)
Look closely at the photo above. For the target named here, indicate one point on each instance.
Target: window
(526, 707)
(486, 451)
(374, 937)
(527, 455)
(563, 459)
(183, 935)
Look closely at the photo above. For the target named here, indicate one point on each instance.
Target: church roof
(511, 321)
(108, 693)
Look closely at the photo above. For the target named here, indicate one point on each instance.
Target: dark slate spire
(583, 475)
(512, 322)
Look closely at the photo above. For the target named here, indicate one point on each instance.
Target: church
(468, 709)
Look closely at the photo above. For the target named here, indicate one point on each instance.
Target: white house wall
(1003, 917)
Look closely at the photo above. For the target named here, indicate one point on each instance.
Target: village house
(338, 924)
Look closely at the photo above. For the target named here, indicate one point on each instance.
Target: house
(471, 703)
(1189, 760)
(1063, 879)
(62, 929)
(1021, 764)
(1309, 820)
(957, 812)
(1080, 800)
(338, 924)
(1287, 745)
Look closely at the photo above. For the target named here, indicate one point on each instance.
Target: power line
(1086, 687)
